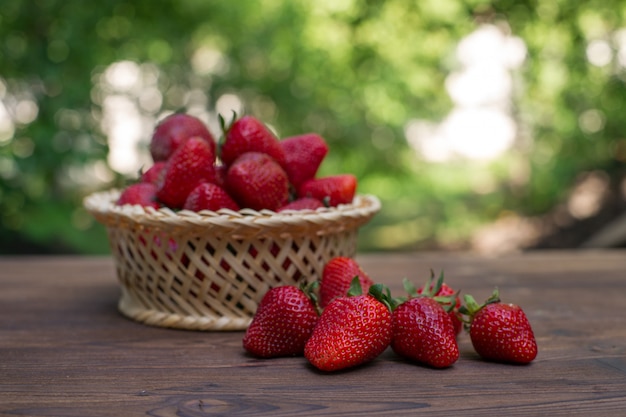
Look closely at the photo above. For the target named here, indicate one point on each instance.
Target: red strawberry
(220, 175)
(304, 155)
(333, 190)
(208, 196)
(189, 166)
(500, 332)
(248, 134)
(443, 292)
(337, 276)
(154, 174)
(351, 331)
(423, 332)
(306, 203)
(141, 193)
(175, 129)
(282, 324)
(256, 181)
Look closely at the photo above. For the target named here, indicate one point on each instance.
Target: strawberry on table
(248, 134)
(141, 193)
(337, 277)
(352, 330)
(304, 155)
(423, 326)
(333, 189)
(283, 322)
(257, 181)
(209, 196)
(445, 295)
(500, 331)
(175, 129)
(190, 165)
(423, 332)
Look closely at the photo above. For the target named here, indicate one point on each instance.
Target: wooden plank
(65, 351)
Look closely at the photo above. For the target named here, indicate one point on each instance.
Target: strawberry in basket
(304, 155)
(175, 129)
(257, 181)
(189, 166)
(252, 168)
(142, 193)
(333, 190)
(248, 134)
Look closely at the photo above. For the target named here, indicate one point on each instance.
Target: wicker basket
(208, 270)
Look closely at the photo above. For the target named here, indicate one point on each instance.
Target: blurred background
(488, 126)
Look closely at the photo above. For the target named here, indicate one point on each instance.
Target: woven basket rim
(102, 205)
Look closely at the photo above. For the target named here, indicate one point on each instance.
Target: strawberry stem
(494, 298)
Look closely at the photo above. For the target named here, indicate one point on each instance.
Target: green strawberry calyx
(430, 289)
(225, 126)
(380, 292)
(470, 306)
(310, 290)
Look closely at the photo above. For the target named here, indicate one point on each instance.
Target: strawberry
(208, 196)
(499, 331)
(423, 332)
(248, 134)
(220, 174)
(256, 181)
(337, 276)
(141, 193)
(283, 322)
(351, 331)
(306, 203)
(444, 293)
(154, 174)
(303, 156)
(189, 166)
(333, 190)
(175, 129)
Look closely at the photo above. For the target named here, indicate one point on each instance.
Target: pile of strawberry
(359, 320)
(249, 168)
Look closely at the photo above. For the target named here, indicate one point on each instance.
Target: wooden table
(66, 351)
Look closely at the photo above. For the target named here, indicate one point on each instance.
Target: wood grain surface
(66, 351)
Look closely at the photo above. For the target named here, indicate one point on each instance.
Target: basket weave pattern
(209, 270)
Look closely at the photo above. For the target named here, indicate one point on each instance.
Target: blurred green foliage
(355, 71)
